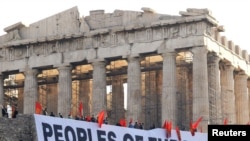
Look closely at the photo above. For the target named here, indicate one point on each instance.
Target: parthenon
(168, 67)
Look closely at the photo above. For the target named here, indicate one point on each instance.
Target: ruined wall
(21, 128)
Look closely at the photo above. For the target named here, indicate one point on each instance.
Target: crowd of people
(11, 112)
(137, 125)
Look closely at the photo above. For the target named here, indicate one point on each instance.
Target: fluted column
(214, 89)
(169, 97)
(30, 91)
(117, 99)
(1, 94)
(227, 94)
(241, 98)
(134, 89)
(64, 90)
(99, 99)
(200, 87)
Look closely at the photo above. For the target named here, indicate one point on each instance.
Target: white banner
(62, 129)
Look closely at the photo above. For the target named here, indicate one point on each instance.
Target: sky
(232, 14)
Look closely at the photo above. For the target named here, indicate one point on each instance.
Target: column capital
(213, 57)
(99, 63)
(199, 50)
(168, 53)
(30, 71)
(133, 58)
(67, 67)
(228, 66)
(241, 74)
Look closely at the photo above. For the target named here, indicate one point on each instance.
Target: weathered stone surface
(21, 128)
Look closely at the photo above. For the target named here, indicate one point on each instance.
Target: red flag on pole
(123, 122)
(178, 133)
(168, 126)
(101, 118)
(80, 108)
(38, 108)
(193, 126)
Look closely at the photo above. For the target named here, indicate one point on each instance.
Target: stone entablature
(88, 39)
(121, 33)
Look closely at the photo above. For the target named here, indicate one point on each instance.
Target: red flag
(168, 126)
(80, 108)
(123, 122)
(178, 133)
(225, 121)
(193, 126)
(38, 108)
(100, 118)
(88, 118)
(191, 129)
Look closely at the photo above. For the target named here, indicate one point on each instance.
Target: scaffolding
(76, 90)
(150, 93)
(184, 89)
(115, 93)
(11, 93)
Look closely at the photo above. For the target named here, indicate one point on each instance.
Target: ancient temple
(163, 67)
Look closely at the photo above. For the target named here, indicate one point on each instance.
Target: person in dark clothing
(118, 124)
(15, 112)
(45, 111)
(140, 125)
(93, 118)
(4, 112)
(153, 126)
(60, 115)
(52, 114)
(136, 125)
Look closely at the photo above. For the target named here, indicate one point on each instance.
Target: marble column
(118, 111)
(241, 98)
(227, 93)
(64, 91)
(1, 94)
(200, 87)
(214, 89)
(169, 96)
(134, 89)
(30, 91)
(99, 98)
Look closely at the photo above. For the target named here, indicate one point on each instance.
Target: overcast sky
(230, 13)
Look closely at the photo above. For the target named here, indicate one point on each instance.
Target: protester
(45, 111)
(52, 114)
(9, 111)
